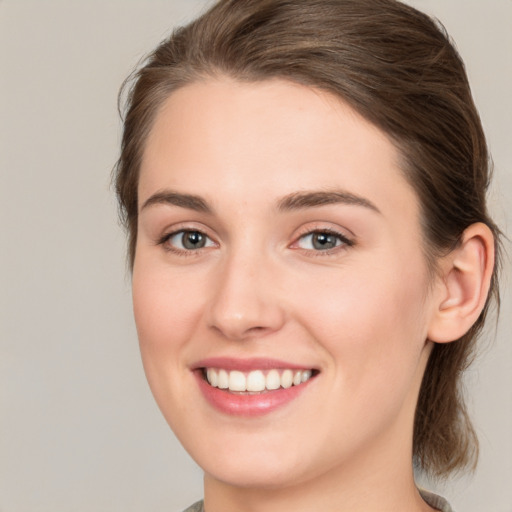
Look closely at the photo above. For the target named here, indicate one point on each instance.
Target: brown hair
(397, 68)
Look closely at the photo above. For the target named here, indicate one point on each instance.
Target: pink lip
(248, 405)
(246, 365)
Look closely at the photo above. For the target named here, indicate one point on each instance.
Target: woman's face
(279, 246)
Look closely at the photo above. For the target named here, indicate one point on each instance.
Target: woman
(303, 185)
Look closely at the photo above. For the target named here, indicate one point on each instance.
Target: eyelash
(163, 241)
(344, 242)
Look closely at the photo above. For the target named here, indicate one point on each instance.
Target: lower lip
(248, 405)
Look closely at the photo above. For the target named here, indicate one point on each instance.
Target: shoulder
(436, 501)
(196, 507)
(432, 499)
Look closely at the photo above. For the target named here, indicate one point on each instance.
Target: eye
(188, 240)
(322, 241)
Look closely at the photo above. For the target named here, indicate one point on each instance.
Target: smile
(251, 387)
(255, 381)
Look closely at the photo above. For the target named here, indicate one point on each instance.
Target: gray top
(432, 499)
(196, 507)
(438, 502)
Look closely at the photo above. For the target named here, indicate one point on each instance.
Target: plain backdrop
(78, 427)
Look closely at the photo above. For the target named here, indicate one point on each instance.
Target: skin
(359, 313)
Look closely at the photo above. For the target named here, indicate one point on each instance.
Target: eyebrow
(294, 201)
(189, 201)
(310, 199)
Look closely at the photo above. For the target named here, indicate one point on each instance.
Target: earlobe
(463, 285)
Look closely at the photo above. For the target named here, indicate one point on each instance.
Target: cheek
(372, 323)
(163, 303)
(166, 315)
(166, 309)
(372, 328)
(352, 303)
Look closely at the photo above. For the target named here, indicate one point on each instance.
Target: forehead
(259, 140)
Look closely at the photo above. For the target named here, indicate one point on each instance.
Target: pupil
(193, 240)
(323, 241)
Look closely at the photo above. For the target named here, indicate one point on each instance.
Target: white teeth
(212, 377)
(273, 380)
(287, 379)
(306, 375)
(256, 380)
(237, 381)
(223, 381)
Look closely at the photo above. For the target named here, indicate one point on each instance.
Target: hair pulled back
(397, 68)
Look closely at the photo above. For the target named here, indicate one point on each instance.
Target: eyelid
(184, 228)
(308, 230)
(346, 241)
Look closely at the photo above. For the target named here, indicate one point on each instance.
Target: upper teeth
(256, 380)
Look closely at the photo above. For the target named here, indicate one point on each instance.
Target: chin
(254, 474)
(257, 463)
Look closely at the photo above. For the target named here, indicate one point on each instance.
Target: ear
(463, 286)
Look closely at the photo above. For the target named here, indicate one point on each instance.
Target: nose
(244, 302)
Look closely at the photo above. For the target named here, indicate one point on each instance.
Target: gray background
(78, 428)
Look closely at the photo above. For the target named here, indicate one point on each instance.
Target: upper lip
(258, 363)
